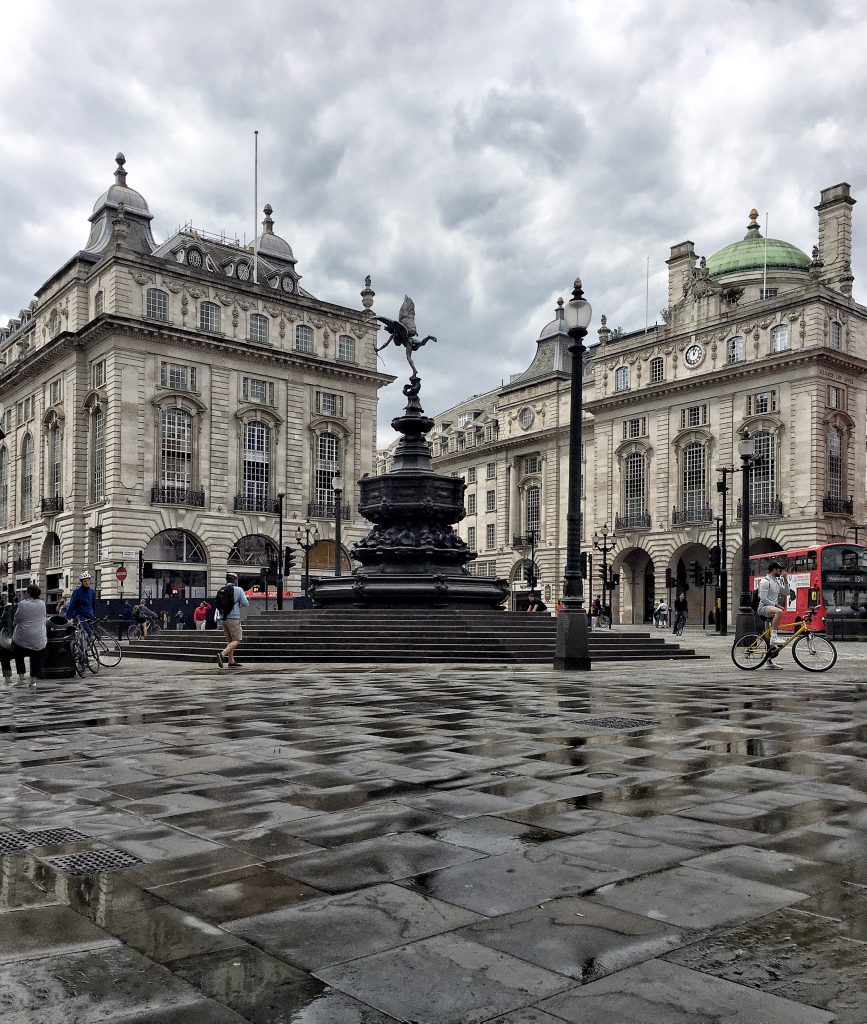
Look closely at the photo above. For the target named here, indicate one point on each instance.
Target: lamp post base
(572, 652)
(745, 623)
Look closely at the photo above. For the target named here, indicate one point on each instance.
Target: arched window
(98, 304)
(253, 550)
(27, 478)
(621, 378)
(209, 316)
(836, 335)
(176, 447)
(694, 477)
(157, 307)
(303, 338)
(635, 485)
(258, 328)
(54, 323)
(257, 466)
(527, 418)
(4, 487)
(657, 370)
(780, 338)
(174, 546)
(835, 464)
(55, 461)
(346, 348)
(763, 473)
(533, 514)
(735, 349)
(53, 551)
(97, 454)
(327, 465)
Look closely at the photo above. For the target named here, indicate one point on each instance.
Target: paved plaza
(649, 844)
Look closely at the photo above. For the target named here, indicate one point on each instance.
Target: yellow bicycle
(811, 651)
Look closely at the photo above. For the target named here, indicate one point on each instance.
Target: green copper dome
(752, 251)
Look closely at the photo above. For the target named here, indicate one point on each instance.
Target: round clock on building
(693, 355)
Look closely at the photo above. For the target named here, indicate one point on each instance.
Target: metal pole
(140, 573)
(255, 207)
(724, 565)
(338, 568)
(280, 567)
(307, 546)
(744, 623)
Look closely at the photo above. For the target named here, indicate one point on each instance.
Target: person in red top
(200, 613)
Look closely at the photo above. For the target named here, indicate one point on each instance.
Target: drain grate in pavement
(53, 836)
(93, 861)
(615, 722)
(507, 775)
(540, 714)
(10, 843)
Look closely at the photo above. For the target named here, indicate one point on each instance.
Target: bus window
(843, 556)
(805, 562)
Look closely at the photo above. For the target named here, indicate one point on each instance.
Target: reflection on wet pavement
(437, 845)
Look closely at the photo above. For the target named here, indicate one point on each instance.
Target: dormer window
(194, 258)
(243, 271)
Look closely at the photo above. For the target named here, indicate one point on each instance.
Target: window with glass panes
(27, 477)
(491, 470)
(693, 416)
(327, 463)
(4, 487)
(346, 348)
(694, 477)
(836, 397)
(761, 403)
(635, 484)
(177, 376)
(55, 552)
(97, 454)
(533, 464)
(176, 448)
(636, 427)
(835, 463)
(621, 378)
(98, 304)
(157, 307)
(471, 475)
(97, 374)
(490, 501)
(780, 338)
(258, 327)
(56, 393)
(55, 461)
(329, 404)
(471, 504)
(763, 470)
(836, 335)
(490, 536)
(257, 463)
(471, 538)
(254, 389)
(533, 512)
(657, 370)
(303, 338)
(735, 349)
(209, 316)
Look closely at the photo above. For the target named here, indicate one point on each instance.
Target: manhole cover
(10, 843)
(93, 861)
(53, 836)
(614, 722)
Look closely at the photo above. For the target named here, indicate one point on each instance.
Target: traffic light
(669, 580)
(615, 579)
(288, 560)
(715, 558)
(263, 573)
(708, 577)
(582, 565)
(695, 573)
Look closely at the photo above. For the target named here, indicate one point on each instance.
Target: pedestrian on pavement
(179, 619)
(29, 639)
(533, 605)
(660, 614)
(230, 600)
(62, 604)
(200, 614)
(595, 612)
(164, 618)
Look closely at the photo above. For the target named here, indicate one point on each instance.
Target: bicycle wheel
(134, 632)
(604, 622)
(750, 652)
(678, 626)
(92, 655)
(107, 650)
(814, 652)
(79, 658)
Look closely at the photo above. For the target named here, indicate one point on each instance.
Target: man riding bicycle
(82, 604)
(143, 617)
(681, 611)
(772, 592)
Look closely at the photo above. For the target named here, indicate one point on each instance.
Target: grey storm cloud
(475, 154)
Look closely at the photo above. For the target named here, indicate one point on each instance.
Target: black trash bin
(58, 662)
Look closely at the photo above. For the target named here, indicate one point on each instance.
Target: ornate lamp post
(307, 537)
(573, 648)
(337, 487)
(280, 498)
(747, 451)
(603, 546)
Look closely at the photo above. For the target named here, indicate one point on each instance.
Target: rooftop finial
(268, 223)
(120, 173)
(367, 294)
(754, 216)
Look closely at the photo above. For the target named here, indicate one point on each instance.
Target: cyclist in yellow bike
(772, 593)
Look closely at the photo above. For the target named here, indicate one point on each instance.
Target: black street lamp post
(337, 487)
(307, 537)
(280, 498)
(745, 621)
(604, 547)
(573, 647)
(723, 488)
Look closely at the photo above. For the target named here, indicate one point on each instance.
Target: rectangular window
(346, 348)
(464, 418)
(97, 374)
(657, 370)
(157, 307)
(56, 392)
(259, 328)
(328, 404)
(490, 536)
(533, 464)
(636, 427)
(99, 304)
(490, 432)
(303, 338)
(471, 538)
(836, 397)
(491, 470)
(621, 378)
(490, 501)
(253, 389)
(488, 569)
(836, 335)
(209, 316)
(471, 475)
(28, 408)
(693, 416)
(767, 293)
(761, 403)
(471, 504)
(177, 376)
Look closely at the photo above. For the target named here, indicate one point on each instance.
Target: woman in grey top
(29, 639)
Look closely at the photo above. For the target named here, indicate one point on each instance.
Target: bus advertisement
(830, 577)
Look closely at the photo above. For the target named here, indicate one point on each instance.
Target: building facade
(758, 337)
(159, 398)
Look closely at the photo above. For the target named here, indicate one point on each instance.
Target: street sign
(127, 554)
(120, 573)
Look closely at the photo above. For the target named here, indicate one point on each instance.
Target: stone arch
(322, 557)
(758, 546)
(176, 564)
(632, 599)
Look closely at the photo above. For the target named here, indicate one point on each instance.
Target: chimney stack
(835, 237)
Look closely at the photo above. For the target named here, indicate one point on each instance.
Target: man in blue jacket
(82, 604)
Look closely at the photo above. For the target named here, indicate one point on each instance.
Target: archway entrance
(249, 555)
(632, 601)
(322, 559)
(175, 565)
(519, 581)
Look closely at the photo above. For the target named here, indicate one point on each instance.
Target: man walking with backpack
(229, 600)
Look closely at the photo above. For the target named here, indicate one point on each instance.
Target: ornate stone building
(159, 398)
(759, 336)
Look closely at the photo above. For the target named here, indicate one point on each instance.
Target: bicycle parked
(107, 646)
(811, 651)
(84, 651)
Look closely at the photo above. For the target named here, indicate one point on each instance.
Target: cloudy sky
(476, 154)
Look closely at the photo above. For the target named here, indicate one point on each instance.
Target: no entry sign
(121, 573)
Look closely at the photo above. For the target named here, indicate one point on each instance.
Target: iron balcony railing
(318, 510)
(769, 507)
(841, 506)
(52, 504)
(636, 521)
(528, 540)
(177, 496)
(245, 503)
(691, 515)
(22, 564)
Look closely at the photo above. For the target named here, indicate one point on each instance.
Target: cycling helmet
(84, 576)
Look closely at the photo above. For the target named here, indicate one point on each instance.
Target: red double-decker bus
(830, 577)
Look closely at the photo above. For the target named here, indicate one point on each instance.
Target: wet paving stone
(792, 954)
(491, 835)
(845, 905)
(28, 932)
(769, 866)
(670, 994)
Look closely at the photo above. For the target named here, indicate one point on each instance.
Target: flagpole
(255, 207)
(647, 296)
(765, 271)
